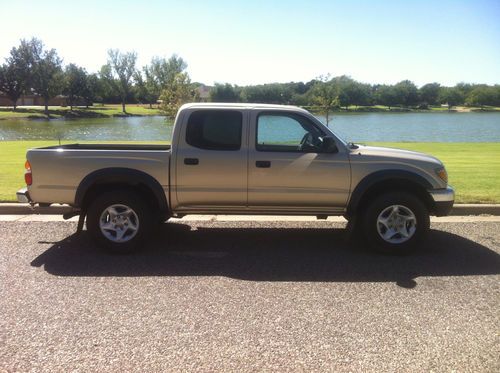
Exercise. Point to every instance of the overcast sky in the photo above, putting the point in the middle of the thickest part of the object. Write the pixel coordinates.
(251, 42)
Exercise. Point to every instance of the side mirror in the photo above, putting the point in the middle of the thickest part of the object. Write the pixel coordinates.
(329, 145)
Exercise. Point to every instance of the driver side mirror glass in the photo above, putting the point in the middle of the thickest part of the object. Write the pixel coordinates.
(329, 145)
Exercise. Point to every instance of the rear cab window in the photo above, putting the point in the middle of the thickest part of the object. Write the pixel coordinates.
(215, 129)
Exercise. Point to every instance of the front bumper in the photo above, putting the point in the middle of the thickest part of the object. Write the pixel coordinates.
(23, 196)
(443, 200)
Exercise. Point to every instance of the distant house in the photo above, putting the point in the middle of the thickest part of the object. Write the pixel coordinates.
(203, 92)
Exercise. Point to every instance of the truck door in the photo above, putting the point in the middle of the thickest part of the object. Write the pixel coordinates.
(287, 170)
(211, 159)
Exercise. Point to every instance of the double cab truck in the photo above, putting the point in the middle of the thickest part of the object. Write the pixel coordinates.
(241, 159)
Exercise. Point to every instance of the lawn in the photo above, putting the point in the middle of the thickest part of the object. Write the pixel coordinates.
(473, 168)
(97, 110)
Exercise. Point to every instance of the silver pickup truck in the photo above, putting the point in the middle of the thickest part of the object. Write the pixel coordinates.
(241, 159)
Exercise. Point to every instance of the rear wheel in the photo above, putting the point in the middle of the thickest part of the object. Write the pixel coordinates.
(119, 221)
(395, 223)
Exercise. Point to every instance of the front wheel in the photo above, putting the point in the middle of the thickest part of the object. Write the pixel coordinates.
(395, 223)
(118, 221)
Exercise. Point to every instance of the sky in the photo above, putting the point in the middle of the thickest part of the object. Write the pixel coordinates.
(255, 42)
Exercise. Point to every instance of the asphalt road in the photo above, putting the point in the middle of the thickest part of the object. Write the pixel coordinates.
(247, 296)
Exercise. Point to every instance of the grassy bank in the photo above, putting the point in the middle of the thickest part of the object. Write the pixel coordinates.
(96, 111)
(105, 111)
(473, 168)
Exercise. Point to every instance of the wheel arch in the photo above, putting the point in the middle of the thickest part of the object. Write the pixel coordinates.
(108, 179)
(384, 181)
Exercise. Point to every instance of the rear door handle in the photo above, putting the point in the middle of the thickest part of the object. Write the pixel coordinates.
(263, 164)
(191, 161)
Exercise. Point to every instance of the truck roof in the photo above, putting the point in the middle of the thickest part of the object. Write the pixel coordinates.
(226, 105)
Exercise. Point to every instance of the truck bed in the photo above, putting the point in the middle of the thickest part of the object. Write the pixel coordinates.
(58, 170)
(76, 146)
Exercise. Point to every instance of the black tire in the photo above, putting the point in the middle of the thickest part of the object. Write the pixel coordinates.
(373, 229)
(136, 225)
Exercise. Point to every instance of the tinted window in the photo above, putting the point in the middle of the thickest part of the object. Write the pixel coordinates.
(287, 132)
(214, 130)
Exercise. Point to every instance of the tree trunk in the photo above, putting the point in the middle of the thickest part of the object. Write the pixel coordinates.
(46, 106)
(150, 105)
(123, 106)
(15, 105)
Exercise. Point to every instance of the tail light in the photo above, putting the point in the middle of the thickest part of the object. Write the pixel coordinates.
(28, 178)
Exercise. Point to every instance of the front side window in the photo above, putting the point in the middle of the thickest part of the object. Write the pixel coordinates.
(287, 132)
(215, 129)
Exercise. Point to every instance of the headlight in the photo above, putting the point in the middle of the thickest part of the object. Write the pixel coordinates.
(442, 174)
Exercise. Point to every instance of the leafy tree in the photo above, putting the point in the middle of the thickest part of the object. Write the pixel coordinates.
(75, 80)
(90, 89)
(429, 93)
(267, 93)
(11, 82)
(386, 95)
(120, 72)
(464, 89)
(450, 96)
(47, 75)
(157, 76)
(176, 94)
(224, 93)
(324, 94)
(23, 58)
(482, 95)
(167, 71)
(108, 85)
(406, 93)
(143, 91)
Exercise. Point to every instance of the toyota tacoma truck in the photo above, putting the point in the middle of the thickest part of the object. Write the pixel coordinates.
(241, 159)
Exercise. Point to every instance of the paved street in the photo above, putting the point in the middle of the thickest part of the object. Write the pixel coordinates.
(210, 295)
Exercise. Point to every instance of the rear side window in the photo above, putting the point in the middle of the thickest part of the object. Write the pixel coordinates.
(215, 129)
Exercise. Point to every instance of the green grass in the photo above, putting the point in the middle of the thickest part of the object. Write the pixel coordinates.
(473, 168)
(77, 112)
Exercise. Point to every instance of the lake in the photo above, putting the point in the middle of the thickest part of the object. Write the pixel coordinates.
(422, 127)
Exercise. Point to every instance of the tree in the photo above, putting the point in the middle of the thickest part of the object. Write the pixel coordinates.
(482, 95)
(47, 72)
(325, 95)
(144, 92)
(22, 61)
(224, 93)
(108, 85)
(450, 96)
(177, 93)
(386, 95)
(406, 93)
(166, 71)
(429, 93)
(11, 82)
(120, 72)
(75, 80)
(90, 89)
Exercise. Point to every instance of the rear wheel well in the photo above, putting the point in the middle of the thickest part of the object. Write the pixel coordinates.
(140, 189)
(394, 185)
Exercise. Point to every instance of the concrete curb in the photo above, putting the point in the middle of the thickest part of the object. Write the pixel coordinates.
(26, 209)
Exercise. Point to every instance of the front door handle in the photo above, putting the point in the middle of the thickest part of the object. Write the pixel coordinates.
(191, 161)
(263, 164)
